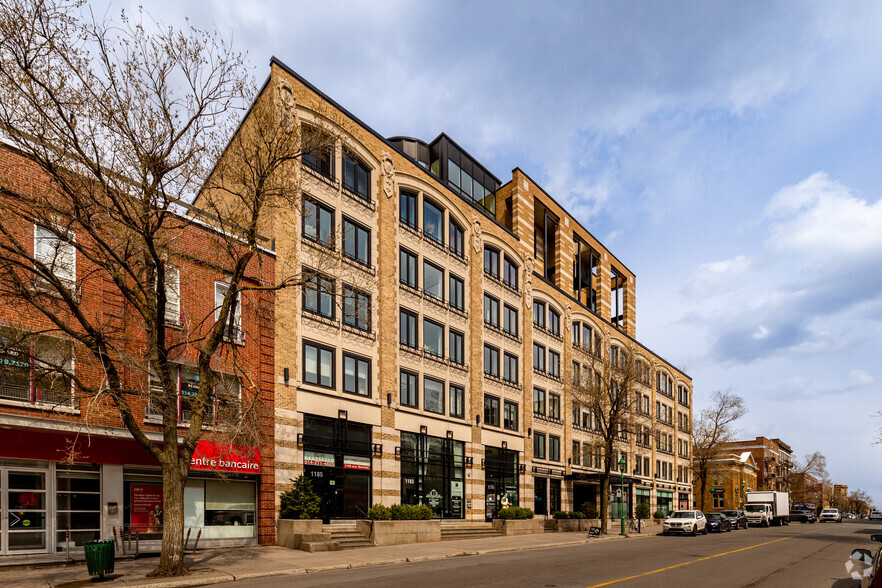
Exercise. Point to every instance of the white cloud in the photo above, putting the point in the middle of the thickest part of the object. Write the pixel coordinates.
(860, 378)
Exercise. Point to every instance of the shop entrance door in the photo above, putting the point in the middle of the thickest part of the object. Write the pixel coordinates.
(328, 484)
(23, 509)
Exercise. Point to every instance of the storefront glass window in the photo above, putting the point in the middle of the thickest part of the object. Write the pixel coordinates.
(78, 506)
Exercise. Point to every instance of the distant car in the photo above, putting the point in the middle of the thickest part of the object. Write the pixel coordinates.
(876, 515)
(830, 515)
(802, 516)
(688, 522)
(717, 522)
(738, 518)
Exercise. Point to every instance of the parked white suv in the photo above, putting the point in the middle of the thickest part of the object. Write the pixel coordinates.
(691, 522)
(830, 515)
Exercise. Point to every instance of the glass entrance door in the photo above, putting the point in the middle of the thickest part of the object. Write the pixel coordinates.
(24, 503)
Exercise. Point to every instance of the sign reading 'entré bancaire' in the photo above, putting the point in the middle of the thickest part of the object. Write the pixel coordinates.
(223, 457)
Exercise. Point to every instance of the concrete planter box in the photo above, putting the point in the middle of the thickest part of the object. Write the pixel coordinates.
(289, 532)
(519, 526)
(569, 525)
(400, 532)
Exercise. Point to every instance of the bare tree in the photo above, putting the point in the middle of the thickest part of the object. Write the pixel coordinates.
(711, 432)
(127, 119)
(813, 464)
(857, 501)
(606, 389)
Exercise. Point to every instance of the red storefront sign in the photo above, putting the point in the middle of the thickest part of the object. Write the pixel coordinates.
(224, 457)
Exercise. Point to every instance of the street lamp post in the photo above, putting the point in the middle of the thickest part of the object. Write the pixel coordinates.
(622, 490)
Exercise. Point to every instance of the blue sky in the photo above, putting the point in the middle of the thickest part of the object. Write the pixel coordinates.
(727, 152)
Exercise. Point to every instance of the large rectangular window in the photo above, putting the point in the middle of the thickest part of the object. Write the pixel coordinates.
(491, 310)
(510, 416)
(455, 350)
(318, 295)
(554, 406)
(356, 242)
(408, 328)
(457, 292)
(407, 268)
(433, 280)
(233, 327)
(510, 368)
(356, 375)
(35, 370)
(491, 410)
(553, 364)
(408, 209)
(457, 239)
(491, 261)
(457, 401)
(433, 221)
(356, 308)
(407, 394)
(57, 254)
(538, 357)
(553, 448)
(433, 338)
(318, 153)
(433, 395)
(509, 273)
(553, 322)
(356, 176)
(318, 365)
(538, 401)
(491, 361)
(538, 445)
(318, 223)
(510, 320)
(539, 314)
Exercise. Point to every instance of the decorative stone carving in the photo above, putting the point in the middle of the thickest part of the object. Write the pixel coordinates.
(287, 104)
(528, 282)
(476, 233)
(569, 322)
(388, 175)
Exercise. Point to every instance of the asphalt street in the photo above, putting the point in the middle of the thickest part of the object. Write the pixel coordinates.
(797, 555)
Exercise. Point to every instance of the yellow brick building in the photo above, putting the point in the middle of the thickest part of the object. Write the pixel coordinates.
(431, 358)
(732, 476)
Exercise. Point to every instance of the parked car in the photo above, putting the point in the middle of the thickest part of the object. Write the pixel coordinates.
(738, 518)
(688, 522)
(718, 522)
(830, 515)
(866, 565)
(802, 516)
(876, 515)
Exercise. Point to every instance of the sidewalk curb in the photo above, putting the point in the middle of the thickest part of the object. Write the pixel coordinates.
(218, 576)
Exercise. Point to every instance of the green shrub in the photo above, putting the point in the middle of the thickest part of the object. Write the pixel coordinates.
(561, 514)
(378, 512)
(642, 511)
(301, 501)
(589, 509)
(400, 512)
(658, 515)
(514, 512)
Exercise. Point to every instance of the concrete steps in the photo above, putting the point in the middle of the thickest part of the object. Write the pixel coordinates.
(346, 536)
(454, 531)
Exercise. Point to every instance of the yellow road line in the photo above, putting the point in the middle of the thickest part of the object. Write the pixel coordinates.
(686, 563)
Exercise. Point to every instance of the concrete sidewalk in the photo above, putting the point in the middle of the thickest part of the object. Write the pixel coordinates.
(228, 565)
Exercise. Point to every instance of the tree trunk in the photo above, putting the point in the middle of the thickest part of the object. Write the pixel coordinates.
(171, 559)
(604, 502)
(703, 487)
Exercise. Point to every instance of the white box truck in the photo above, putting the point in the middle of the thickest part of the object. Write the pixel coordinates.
(764, 508)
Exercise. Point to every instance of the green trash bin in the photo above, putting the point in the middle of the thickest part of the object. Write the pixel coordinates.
(100, 557)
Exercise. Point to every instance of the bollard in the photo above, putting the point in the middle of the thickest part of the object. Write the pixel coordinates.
(67, 542)
(187, 539)
(122, 539)
(130, 539)
(196, 545)
(137, 543)
(115, 539)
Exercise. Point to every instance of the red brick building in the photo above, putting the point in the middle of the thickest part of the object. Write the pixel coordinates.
(69, 468)
(773, 461)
